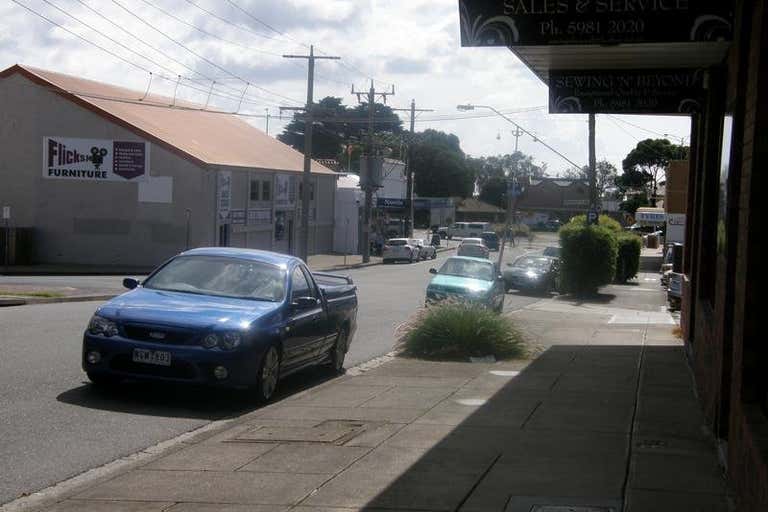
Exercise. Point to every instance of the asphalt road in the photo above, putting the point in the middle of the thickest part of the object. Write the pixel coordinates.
(54, 425)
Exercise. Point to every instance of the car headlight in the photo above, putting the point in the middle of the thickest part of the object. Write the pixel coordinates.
(210, 341)
(102, 326)
(532, 275)
(231, 340)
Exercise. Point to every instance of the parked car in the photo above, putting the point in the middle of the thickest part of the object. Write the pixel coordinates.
(491, 240)
(472, 241)
(229, 317)
(399, 249)
(532, 272)
(473, 250)
(426, 250)
(468, 279)
(468, 229)
(552, 251)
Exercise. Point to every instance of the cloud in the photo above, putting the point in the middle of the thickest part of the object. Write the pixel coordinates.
(411, 43)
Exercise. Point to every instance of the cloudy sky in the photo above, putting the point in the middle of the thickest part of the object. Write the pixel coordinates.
(413, 44)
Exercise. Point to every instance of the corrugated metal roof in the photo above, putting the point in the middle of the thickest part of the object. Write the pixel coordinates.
(205, 137)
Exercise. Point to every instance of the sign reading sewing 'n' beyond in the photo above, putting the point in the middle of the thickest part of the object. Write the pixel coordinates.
(95, 159)
(646, 91)
(550, 22)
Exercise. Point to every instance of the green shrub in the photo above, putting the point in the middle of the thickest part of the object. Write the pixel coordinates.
(628, 256)
(588, 255)
(603, 220)
(457, 331)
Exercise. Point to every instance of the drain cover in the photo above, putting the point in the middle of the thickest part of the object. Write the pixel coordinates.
(327, 432)
(570, 508)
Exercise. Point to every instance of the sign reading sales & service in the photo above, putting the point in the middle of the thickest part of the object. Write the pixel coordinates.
(95, 159)
(550, 22)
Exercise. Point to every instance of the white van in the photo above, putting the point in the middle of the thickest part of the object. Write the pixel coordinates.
(468, 229)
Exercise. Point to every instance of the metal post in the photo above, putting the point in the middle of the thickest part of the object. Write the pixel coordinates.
(511, 204)
(409, 176)
(368, 188)
(189, 215)
(7, 257)
(592, 165)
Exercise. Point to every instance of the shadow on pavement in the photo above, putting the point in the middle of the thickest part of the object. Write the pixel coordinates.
(179, 400)
(594, 427)
(598, 298)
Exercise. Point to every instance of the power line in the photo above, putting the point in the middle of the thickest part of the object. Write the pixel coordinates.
(177, 79)
(214, 15)
(665, 135)
(349, 67)
(199, 56)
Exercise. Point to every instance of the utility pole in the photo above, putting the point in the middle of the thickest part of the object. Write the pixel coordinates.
(592, 165)
(267, 111)
(308, 125)
(369, 187)
(408, 168)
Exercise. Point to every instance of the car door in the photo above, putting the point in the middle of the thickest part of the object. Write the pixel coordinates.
(304, 321)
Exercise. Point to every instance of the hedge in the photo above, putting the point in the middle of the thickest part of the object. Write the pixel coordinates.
(588, 255)
(628, 257)
(604, 221)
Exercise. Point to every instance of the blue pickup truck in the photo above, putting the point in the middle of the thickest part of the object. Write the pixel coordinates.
(228, 317)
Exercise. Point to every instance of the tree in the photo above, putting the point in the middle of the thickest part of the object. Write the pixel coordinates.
(647, 164)
(439, 166)
(492, 173)
(606, 175)
(340, 126)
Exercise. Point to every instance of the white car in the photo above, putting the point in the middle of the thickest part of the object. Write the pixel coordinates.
(472, 241)
(473, 250)
(426, 250)
(399, 249)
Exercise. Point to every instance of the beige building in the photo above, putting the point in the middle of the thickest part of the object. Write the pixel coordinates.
(105, 176)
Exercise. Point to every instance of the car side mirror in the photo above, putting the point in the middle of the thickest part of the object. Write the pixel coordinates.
(304, 302)
(130, 283)
(433, 271)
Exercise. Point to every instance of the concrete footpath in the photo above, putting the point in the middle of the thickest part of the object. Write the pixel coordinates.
(602, 418)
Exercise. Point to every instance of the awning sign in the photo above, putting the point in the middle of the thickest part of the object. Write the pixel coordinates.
(550, 22)
(95, 159)
(388, 203)
(648, 91)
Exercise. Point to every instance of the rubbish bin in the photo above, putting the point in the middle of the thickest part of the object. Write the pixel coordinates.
(653, 241)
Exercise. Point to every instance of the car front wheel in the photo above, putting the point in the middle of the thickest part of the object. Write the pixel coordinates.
(269, 374)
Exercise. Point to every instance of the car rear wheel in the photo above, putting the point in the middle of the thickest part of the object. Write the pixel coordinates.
(339, 351)
(269, 374)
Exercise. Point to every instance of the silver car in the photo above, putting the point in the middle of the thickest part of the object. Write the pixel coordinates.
(399, 249)
(426, 250)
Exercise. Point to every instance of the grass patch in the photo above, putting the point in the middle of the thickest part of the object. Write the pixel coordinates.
(458, 331)
(41, 294)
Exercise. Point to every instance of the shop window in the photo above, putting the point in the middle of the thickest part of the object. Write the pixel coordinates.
(266, 190)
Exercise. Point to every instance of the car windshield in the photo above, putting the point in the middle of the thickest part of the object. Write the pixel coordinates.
(397, 241)
(468, 268)
(472, 241)
(527, 261)
(222, 277)
(552, 251)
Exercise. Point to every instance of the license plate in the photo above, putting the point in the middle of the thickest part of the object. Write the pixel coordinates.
(158, 357)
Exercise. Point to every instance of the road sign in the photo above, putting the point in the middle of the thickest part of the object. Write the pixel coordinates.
(6, 212)
(592, 216)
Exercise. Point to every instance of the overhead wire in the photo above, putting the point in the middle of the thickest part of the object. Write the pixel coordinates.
(175, 79)
(202, 57)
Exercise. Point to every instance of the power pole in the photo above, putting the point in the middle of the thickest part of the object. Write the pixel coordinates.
(408, 168)
(592, 165)
(307, 176)
(267, 111)
(369, 187)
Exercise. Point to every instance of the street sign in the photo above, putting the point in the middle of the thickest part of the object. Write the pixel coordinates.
(592, 217)
(514, 23)
(6, 212)
(647, 91)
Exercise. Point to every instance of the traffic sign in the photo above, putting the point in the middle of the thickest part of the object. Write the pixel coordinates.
(592, 217)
